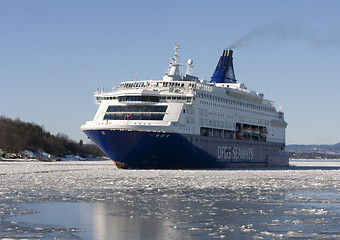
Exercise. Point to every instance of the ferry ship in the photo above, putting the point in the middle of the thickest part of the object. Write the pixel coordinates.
(182, 122)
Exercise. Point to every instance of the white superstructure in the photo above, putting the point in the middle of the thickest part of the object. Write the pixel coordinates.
(192, 104)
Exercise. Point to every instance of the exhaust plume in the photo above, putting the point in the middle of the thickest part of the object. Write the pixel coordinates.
(283, 31)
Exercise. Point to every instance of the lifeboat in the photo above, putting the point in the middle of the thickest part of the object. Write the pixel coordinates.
(263, 131)
(255, 131)
(247, 129)
(239, 135)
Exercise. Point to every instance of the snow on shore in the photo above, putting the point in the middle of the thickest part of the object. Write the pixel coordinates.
(29, 156)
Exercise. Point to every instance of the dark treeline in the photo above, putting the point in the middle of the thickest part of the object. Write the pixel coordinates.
(17, 136)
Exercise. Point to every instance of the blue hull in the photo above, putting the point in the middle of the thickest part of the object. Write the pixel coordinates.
(153, 150)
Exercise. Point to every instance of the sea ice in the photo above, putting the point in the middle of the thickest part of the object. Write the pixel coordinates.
(231, 203)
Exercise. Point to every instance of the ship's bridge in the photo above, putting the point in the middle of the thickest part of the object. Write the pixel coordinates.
(148, 91)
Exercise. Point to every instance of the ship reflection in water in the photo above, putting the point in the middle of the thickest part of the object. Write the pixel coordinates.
(99, 221)
(110, 222)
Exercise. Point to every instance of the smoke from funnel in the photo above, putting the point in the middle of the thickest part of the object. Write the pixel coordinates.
(283, 31)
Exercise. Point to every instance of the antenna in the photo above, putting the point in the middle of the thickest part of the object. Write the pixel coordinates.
(174, 71)
(177, 46)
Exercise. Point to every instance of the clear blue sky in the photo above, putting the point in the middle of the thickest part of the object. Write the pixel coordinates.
(55, 54)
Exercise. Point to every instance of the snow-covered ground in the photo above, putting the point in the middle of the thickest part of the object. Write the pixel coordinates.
(95, 200)
(29, 156)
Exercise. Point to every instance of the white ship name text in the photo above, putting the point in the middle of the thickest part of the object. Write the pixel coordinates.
(234, 153)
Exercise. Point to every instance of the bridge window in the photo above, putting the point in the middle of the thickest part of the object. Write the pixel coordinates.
(137, 108)
(135, 112)
(138, 99)
(134, 116)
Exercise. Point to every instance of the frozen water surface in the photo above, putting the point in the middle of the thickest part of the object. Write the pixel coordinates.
(94, 200)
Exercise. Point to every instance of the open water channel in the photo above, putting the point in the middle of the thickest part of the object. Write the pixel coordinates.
(94, 200)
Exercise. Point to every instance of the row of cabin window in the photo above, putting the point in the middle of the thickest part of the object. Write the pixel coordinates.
(105, 98)
(170, 84)
(189, 110)
(138, 99)
(190, 120)
(134, 116)
(173, 98)
(188, 99)
(137, 108)
(213, 132)
(145, 84)
(253, 121)
(216, 123)
(136, 84)
(143, 98)
(233, 102)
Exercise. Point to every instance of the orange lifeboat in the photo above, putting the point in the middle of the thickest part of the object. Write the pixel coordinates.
(239, 135)
(246, 129)
(263, 131)
(255, 131)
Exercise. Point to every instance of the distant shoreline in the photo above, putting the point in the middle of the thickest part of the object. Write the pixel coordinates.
(29, 156)
(29, 140)
(54, 160)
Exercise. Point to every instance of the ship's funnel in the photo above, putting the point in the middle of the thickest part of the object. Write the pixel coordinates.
(224, 72)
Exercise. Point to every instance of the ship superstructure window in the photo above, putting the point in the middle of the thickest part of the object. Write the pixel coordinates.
(135, 85)
(135, 112)
(137, 108)
(235, 102)
(173, 98)
(138, 99)
(134, 116)
(100, 99)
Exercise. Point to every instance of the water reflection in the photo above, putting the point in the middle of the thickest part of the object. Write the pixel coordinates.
(97, 221)
(113, 222)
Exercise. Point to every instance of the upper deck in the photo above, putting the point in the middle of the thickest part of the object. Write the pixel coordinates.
(148, 89)
(181, 90)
